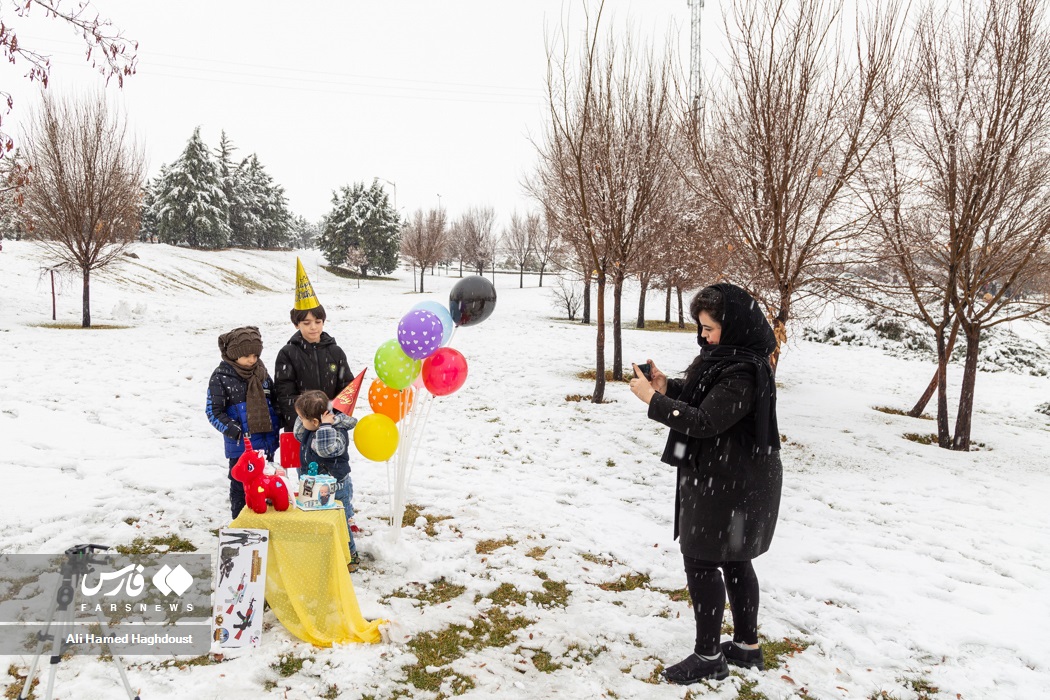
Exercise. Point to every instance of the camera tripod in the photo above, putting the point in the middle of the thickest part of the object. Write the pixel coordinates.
(77, 565)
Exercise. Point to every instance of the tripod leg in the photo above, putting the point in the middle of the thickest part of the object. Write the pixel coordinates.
(28, 687)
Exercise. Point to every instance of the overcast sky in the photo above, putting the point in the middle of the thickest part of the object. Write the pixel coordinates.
(437, 96)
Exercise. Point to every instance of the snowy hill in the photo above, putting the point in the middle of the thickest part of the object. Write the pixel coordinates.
(905, 571)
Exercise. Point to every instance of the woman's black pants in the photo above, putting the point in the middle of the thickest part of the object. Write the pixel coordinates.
(708, 591)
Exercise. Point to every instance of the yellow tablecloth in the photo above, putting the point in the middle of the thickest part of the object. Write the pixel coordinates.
(307, 584)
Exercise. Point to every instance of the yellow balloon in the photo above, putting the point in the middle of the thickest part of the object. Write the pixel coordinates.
(376, 437)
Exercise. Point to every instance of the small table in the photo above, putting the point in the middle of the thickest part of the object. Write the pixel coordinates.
(307, 584)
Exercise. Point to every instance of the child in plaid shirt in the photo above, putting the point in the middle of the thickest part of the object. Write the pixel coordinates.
(324, 438)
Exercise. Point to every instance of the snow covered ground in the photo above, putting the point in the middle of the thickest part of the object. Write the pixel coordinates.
(904, 567)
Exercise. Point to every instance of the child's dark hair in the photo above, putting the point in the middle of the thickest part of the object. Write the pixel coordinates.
(299, 315)
(312, 404)
(710, 300)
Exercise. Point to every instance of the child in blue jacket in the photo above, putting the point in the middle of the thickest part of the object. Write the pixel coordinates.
(239, 402)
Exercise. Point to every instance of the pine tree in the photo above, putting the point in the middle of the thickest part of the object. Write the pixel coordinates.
(266, 215)
(362, 218)
(233, 186)
(191, 206)
(148, 231)
(303, 233)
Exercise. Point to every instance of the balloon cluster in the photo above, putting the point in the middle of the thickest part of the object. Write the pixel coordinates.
(420, 358)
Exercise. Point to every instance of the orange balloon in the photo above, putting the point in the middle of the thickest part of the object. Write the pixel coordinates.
(391, 403)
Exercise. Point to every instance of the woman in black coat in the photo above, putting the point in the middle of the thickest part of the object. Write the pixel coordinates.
(725, 443)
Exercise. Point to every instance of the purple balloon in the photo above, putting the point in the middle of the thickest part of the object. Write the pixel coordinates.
(419, 333)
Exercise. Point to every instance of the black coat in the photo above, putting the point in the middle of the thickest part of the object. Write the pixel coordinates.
(303, 366)
(728, 496)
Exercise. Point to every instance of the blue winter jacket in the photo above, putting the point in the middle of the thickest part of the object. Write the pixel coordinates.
(228, 412)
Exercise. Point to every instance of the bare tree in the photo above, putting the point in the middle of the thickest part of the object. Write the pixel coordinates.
(785, 136)
(602, 160)
(108, 50)
(567, 296)
(519, 239)
(547, 243)
(476, 235)
(424, 239)
(84, 195)
(959, 193)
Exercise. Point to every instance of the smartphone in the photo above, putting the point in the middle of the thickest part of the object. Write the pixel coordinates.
(646, 370)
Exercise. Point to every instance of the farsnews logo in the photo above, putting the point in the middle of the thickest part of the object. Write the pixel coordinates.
(168, 580)
(130, 581)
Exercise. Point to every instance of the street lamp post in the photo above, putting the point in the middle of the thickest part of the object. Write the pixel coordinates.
(392, 184)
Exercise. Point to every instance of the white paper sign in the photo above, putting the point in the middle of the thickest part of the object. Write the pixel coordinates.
(240, 587)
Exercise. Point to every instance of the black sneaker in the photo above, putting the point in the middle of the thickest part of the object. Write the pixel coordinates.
(744, 658)
(694, 669)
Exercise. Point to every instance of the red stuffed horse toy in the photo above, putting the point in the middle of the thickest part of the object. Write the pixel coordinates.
(259, 487)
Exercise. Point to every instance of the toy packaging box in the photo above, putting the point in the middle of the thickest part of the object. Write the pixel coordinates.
(317, 493)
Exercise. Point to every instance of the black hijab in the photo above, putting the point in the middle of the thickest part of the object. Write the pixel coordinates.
(747, 338)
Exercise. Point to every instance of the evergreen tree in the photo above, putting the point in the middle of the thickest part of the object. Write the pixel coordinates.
(191, 206)
(234, 187)
(362, 218)
(148, 218)
(266, 215)
(303, 233)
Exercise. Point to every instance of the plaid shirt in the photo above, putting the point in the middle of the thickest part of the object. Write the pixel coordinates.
(330, 440)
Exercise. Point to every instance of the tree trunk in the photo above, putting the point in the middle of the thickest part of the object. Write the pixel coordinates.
(681, 309)
(421, 271)
(943, 438)
(617, 363)
(964, 418)
(920, 405)
(780, 329)
(599, 363)
(521, 277)
(86, 320)
(585, 319)
(461, 268)
(667, 306)
(644, 280)
(541, 274)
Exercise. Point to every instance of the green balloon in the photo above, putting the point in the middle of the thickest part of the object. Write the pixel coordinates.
(394, 367)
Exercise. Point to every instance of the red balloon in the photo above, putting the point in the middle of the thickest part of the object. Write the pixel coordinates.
(444, 372)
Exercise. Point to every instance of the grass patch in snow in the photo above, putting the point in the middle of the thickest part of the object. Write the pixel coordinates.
(79, 327)
(774, 651)
(628, 582)
(156, 545)
(579, 397)
(678, 595)
(331, 692)
(747, 690)
(288, 665)
(537, 552)
(413, 513)
(597, 559)
(545, 663)
(436, 651)
(17, 681)
(900, 412)
(434, 593)
(490, 546)
(922, 438)
(667, 326)
(922, 687)
(593, 374)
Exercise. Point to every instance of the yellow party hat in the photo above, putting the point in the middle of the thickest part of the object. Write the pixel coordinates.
(304, 291)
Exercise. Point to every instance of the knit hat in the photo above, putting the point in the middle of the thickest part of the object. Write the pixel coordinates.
(241, 342)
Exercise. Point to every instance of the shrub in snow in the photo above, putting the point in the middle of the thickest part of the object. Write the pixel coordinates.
(1001, 350)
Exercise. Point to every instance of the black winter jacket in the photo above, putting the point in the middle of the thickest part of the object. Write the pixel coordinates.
(227, 411)
(303, 366)
(728, 496)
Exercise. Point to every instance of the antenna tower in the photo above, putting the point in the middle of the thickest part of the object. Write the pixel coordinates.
(694, 55)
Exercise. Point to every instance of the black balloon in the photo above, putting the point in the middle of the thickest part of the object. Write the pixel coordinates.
(471, 301)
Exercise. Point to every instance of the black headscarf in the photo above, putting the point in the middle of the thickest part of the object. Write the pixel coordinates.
(748, 338)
